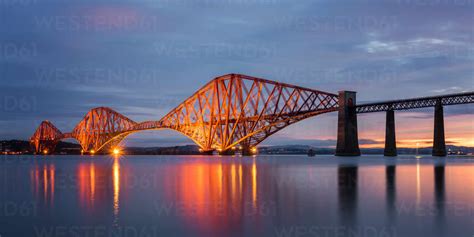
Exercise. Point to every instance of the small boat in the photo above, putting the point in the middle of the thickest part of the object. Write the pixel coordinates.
(311, 153)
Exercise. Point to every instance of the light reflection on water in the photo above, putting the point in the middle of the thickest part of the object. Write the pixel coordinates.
(116, 180)
(263, 196)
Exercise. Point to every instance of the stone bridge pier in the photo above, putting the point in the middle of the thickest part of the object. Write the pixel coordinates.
(439, 143)
(347, 137)
(390, 139)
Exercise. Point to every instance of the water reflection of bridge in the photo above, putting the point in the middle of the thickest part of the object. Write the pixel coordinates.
(214, 196)
(218, 197)
(348, 179)
(93, 185)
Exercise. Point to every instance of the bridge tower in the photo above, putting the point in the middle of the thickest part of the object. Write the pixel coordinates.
(439, 143)
(347, 137)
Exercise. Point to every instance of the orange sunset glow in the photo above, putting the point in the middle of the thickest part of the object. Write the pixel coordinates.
(418, 132)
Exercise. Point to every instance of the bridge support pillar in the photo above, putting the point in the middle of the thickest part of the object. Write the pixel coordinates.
(45, 147)
(247, 151)
(347, 138)
(228, 152)
(207, 153)
(390, 138)
(439, 143)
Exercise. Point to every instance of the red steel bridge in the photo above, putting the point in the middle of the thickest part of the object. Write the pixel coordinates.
(237, 111)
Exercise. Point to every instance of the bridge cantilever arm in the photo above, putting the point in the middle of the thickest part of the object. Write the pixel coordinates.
(229, 109)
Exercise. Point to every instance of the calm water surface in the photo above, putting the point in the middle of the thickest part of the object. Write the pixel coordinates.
(232, 196)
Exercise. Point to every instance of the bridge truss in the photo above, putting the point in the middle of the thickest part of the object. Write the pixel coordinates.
(231, 110)
(452, 99)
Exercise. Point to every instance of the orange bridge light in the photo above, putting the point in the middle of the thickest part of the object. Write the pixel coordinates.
(116, 151)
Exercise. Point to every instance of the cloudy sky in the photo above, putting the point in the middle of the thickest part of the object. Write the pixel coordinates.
(59, 58)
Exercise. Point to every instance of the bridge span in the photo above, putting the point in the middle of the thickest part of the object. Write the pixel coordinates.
(231, 111)
(347, 140)
(236, 111)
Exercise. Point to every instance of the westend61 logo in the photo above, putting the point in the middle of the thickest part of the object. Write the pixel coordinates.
(215, 209)
(97, 231)
(329, 231)
(433, 209)
(215, 3)
(191, 50)
(98, 23)
(9, 50)
(13, 3)
(9, 103)
(436, 2)
(47, 77)
(337, 23)
(356, 76)
(14, 209)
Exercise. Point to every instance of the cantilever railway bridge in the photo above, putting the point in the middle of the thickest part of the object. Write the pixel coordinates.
(234, 110)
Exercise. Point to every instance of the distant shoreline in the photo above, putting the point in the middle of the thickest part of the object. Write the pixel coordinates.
(21, 147)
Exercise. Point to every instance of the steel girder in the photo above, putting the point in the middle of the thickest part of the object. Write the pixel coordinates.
(229, 110)
(99, 127)
(46, 137)
(238, 109)
(452, 99)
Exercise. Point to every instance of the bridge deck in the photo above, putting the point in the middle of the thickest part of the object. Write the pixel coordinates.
(414, 103)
